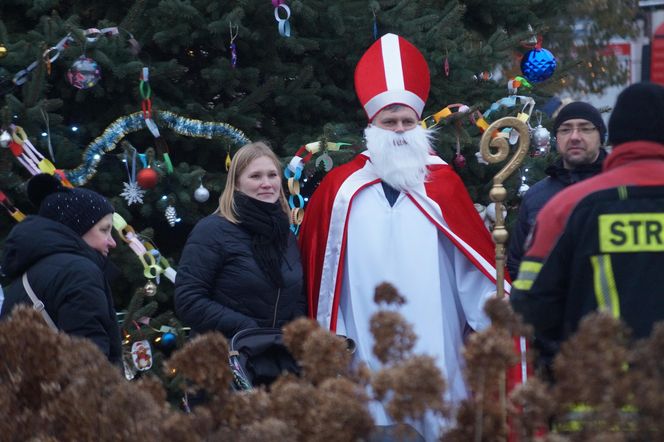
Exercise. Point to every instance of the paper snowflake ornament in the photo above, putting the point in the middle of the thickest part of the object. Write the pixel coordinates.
(132, 193)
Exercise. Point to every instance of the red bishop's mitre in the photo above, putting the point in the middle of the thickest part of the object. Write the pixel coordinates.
(392, 71)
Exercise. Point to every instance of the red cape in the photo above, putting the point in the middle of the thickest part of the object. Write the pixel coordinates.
(443, 186)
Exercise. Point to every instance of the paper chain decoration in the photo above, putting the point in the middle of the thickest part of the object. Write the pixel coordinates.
(154, 263)
(53, 53)
(293, 174)
(112, 135)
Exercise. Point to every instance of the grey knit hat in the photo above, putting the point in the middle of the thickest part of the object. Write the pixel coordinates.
(79, 209)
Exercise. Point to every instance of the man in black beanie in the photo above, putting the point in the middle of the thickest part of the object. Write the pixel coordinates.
(61, 253)
(580, 133)
(599, 244)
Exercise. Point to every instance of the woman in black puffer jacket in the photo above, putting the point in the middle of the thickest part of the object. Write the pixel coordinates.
(240, 267)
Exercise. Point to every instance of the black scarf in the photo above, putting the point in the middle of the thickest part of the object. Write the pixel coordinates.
(268, 225)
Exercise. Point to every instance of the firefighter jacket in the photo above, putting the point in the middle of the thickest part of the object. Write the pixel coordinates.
(598, 245)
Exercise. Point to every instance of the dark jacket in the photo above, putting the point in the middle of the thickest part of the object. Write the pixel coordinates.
(537, 196)
(219, 285)
(68, 276)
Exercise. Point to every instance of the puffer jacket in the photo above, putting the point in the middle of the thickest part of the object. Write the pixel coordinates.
(537, 196)
(68, 276)
(219, 285)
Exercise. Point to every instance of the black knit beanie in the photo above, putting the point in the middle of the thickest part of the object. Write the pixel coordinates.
(79, 209)
(637, 114)
(579, 109)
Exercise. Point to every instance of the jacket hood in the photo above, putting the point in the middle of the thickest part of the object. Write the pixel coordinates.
(36, 238)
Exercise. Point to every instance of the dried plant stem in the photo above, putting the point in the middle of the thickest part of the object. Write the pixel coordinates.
(502, 389)
(479, 411)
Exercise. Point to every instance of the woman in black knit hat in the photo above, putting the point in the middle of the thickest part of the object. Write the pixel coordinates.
(63, 252)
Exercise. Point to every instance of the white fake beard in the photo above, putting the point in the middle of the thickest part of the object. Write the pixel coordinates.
(400, 159)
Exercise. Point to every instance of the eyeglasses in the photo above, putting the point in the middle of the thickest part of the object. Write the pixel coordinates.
(568, 130)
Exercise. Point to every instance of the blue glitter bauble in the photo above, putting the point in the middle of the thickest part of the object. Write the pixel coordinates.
(538, 65)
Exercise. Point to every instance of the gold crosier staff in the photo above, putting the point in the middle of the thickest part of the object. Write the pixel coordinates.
(499, 142)
(500, 145)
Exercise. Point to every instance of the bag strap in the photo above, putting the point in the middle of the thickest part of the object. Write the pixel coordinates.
(36, 303)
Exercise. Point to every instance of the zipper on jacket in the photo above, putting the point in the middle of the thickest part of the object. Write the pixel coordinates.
(276, 304)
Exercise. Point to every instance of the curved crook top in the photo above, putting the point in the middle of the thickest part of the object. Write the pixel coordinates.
(494, 138)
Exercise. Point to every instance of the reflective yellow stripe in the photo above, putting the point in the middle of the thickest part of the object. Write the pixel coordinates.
(622, 192)
(530, 266)
(528, 271)
(521, 284)
(605, 285)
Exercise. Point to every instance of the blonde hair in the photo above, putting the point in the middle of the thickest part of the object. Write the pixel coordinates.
(241, 160)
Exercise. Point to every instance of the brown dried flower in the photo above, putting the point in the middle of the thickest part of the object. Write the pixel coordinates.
(503, 316)
(394, 338)
(646, 383)
(292, 402)
(531, 408)
(340, 412)
(410, 388)
(204, 360)
(388, 294)
(488, 355)
(296, 333)
(154, 387)
(324, 356)
(268, 429)
(244, 408)
(81, 396)
(590, 370)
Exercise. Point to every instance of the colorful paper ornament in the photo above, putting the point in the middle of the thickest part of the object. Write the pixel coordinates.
(84, 73)
(201, 194)
(147, 178)
(232, 46)
(227, 162)
(483, 76)
(538, 65)
(480, 158)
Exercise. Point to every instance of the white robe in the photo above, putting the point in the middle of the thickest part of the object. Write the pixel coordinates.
(444, 291)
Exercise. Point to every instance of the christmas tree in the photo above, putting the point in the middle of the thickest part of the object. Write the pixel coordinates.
(145, 101)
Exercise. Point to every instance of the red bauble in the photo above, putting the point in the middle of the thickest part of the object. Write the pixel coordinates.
(147, 178)
(459, 161)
